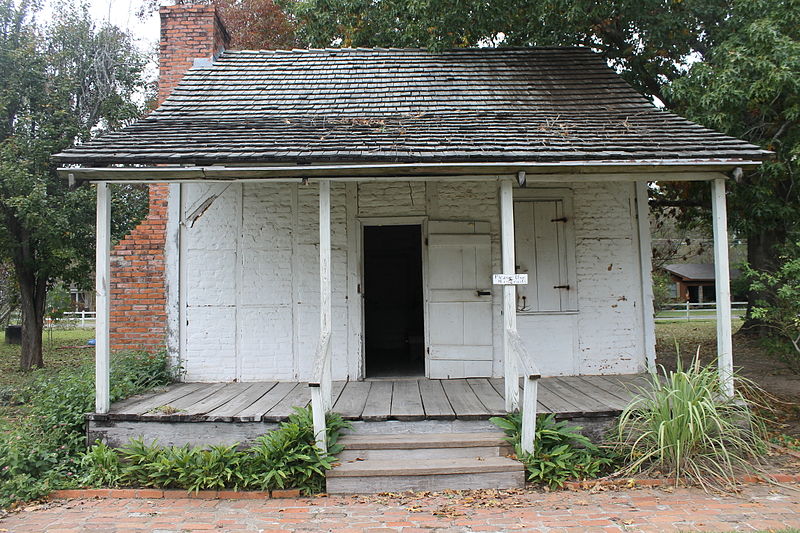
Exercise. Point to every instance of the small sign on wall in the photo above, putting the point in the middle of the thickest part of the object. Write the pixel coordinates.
(510, 279)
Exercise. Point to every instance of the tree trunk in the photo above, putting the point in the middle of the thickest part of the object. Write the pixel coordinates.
(762, 255)
(33, 293)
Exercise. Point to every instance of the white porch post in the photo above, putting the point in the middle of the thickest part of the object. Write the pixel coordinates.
(321, 387)
(646, 270)
(102, 303)
(509, 294)
(722, 275)
(325, 291)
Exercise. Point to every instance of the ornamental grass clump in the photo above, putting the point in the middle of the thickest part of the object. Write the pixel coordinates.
(685, 427)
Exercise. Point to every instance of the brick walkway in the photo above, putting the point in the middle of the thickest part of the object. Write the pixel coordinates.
(757, 507)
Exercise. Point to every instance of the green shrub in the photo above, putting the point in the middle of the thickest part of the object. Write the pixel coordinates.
(778, 305)
(561, 453)
(285, 458)
(47, 444)
(685, 427)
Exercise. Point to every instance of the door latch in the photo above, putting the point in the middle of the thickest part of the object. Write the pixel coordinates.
(561, 287)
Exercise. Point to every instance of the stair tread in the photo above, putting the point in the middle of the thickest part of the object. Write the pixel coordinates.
(422, 440)
(422, 467)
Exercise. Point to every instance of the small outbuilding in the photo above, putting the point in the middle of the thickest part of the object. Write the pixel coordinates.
(695, 282)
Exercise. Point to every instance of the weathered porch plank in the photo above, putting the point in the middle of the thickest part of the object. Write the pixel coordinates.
(464, 401)
(612, 387)
(379, 402)
(220, 397)
(434, 400)
(499, 386)
(556, 403)
(406, 401)
(595, 388)
(576, 395)
(352, 400)
(488, 396)
(174, 410)
(228, 411)
(299, 396)
(255, 411)
(152, 401)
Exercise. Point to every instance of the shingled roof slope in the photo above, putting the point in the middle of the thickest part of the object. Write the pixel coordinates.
(407, 105)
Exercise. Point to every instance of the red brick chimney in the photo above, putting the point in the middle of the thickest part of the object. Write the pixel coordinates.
(138, 282)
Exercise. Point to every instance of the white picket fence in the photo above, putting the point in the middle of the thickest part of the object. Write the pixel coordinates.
(697, 311)
(78, 319)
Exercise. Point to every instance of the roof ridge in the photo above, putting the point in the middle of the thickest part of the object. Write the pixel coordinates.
(470, 49)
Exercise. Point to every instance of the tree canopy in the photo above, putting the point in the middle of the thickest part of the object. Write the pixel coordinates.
(62, 83)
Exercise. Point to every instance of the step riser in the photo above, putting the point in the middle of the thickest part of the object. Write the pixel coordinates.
(424, 453)
(434, 482)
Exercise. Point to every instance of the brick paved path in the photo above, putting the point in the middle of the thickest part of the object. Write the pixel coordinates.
(757, 507)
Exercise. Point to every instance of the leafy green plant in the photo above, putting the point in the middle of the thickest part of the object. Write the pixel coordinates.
(289, 457)
(47, 445)
(685, 427)
(285, 458)
(101, 466)
(561, 452)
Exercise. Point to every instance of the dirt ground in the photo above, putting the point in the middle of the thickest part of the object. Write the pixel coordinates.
(750, 361)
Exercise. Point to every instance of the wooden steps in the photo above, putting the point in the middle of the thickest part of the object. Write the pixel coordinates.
(431, 462)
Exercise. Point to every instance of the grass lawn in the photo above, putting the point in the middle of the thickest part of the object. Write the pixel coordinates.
(60, 349)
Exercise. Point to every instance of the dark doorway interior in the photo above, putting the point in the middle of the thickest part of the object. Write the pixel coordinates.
(393, 313)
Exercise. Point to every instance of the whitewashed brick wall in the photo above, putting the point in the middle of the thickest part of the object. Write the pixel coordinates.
(251, 287)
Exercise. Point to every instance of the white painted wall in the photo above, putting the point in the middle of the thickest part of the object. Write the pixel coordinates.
(249, 280)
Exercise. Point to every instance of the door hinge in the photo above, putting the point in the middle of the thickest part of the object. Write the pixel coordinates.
(561, 287)
(562, 219)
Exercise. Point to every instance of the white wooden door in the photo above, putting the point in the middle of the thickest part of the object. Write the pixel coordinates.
(459, 300)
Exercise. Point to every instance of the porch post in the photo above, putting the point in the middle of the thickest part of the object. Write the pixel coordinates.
(325, 291)
(723, 287)
(646, 270)
(509, 294)
(102, 289)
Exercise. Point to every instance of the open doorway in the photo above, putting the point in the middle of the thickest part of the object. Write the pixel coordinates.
(393, 304)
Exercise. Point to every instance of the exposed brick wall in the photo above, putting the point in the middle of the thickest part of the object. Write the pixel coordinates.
(138, 288)
(138, 282)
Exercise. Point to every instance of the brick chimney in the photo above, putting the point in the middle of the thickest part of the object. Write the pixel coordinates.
(138, 282)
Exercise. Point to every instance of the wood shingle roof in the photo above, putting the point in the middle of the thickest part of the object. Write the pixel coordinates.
(407, 105)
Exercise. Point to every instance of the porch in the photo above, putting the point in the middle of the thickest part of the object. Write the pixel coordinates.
(225, 413)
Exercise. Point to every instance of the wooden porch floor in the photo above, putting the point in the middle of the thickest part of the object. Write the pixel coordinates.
(378, 400)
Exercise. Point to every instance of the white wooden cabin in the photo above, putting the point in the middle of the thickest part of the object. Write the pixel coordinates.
(338, 215)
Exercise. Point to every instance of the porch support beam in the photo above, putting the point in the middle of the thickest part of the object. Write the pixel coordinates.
(509, 294)
(573, 171)
(325, 294)
(102, 302)
(723, 286)
(646, 270)
(321, 387)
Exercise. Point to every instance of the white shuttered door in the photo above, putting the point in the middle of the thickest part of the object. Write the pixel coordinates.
(460, 300)
(541, 253)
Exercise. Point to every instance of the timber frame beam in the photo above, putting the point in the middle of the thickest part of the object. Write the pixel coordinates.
(534, 172)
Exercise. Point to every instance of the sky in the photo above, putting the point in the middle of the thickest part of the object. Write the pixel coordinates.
(122, 13)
